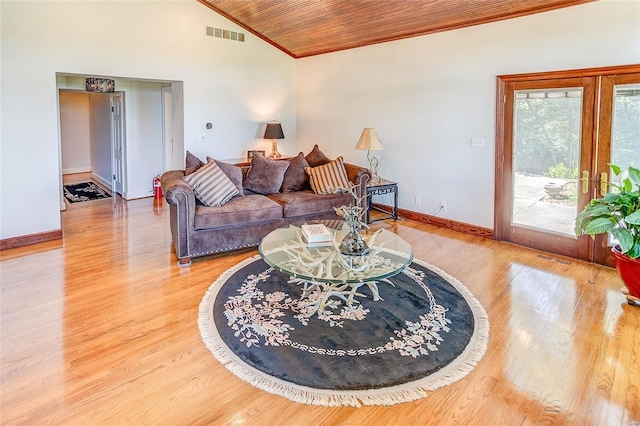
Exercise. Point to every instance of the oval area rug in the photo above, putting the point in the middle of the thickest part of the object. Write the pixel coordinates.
(428, 332)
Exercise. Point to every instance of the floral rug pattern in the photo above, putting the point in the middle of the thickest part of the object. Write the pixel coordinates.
(257, 317)
(85, 191)
(425, 331)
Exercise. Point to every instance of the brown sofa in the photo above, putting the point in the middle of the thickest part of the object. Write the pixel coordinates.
(199, 230)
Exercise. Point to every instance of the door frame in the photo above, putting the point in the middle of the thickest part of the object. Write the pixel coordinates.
(107, 183)
(167, 128)
(585, 252)
(118, 131)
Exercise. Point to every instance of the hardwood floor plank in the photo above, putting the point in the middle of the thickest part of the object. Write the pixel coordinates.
(101, 328)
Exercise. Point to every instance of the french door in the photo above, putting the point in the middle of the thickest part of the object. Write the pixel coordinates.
(556, 135)
(618, 139)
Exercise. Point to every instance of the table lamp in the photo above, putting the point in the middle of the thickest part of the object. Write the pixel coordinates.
(274, 132)
(369, 140)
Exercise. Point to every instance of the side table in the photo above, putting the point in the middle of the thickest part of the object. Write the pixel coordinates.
(378, 188)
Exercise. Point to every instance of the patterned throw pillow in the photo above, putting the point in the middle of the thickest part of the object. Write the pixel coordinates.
(210, 185)
(327, 178)
(233, 172)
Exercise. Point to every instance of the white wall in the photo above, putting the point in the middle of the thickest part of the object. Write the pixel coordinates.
(143, 128)
(177, 113)
(427, 96)
(75, 132)
(236, 86)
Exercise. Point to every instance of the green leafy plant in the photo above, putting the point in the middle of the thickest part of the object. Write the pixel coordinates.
(617, 213)
(562, 171)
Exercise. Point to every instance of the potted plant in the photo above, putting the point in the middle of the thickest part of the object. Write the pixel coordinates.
(617, 213)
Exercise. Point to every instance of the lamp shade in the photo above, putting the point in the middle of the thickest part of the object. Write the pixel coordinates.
(369, 141)
(274, 131)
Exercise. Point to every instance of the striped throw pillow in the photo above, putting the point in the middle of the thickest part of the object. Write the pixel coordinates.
(327, 178)
(211, 185)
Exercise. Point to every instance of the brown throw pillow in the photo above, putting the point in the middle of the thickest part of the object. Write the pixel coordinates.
(316, 157)
(233, 172)
(328, 178)
(266, 175)
(295, 178)
(192, 164)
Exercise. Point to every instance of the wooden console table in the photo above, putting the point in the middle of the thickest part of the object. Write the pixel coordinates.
(378, 188)
(246, 162)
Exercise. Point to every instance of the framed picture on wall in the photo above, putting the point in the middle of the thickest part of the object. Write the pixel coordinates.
(251, 154)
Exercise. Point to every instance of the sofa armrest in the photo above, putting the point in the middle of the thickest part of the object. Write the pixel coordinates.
(360, 177)
(180, 197)
(176, 191)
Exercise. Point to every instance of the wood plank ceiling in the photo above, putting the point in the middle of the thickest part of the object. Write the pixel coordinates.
(303, 28)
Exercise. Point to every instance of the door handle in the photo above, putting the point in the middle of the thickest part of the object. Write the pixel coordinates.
(603, 183)
(585, 181)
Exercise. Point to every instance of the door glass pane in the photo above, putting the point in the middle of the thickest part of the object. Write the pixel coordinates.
(625, 131)
(625, 128)
(546, 159)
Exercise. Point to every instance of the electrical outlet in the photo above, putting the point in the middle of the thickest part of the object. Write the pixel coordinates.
(443, 205)
(418, 201)
(477, 142)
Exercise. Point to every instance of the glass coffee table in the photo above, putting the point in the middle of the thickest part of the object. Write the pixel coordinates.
(329, 279)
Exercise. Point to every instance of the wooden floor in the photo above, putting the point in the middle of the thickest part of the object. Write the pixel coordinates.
(100, 328)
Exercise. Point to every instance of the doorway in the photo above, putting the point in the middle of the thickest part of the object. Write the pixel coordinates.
(154, 113)
(556, 135)
(92, 138)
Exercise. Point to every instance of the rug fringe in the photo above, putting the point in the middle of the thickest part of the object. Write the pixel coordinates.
(407, 392)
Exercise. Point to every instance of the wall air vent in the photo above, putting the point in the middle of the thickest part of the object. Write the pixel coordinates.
(220, 33)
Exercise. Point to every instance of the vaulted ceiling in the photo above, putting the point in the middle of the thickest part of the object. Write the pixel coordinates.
(303, 28)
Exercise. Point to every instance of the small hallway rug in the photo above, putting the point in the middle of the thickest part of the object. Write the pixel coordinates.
(85, 191)
(428, 332)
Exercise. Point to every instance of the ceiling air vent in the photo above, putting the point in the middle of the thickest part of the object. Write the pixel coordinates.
(220, 33)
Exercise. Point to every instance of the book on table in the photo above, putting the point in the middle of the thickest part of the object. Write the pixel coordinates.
(316, 234)
(321, 244)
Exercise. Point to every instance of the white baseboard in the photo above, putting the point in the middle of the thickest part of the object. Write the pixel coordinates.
(74, 171)
(137, 197)
(102, 181)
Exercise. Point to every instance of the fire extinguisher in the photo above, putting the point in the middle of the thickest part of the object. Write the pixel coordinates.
(157, 190)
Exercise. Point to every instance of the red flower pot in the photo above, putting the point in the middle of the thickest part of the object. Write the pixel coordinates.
(629, 271)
